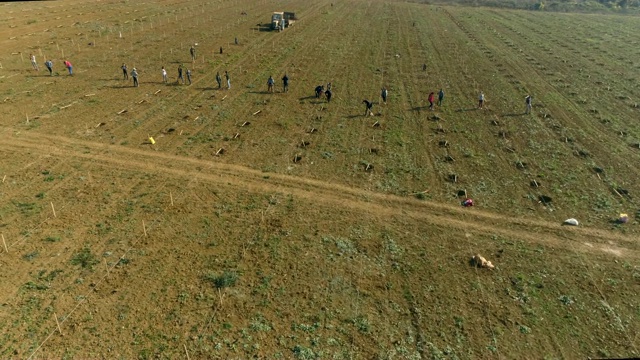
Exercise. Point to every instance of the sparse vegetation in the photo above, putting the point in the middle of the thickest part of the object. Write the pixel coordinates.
(224, 280)
(320, 233)
(85, 258)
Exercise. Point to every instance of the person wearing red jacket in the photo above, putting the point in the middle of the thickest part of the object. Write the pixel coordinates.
(69, 67)
(431, 100)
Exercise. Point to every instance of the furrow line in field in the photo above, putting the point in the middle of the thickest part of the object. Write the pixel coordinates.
(132, 102)
(231, 97)
(241, 178)
(412, 99)
(605, 139)
(297, 37)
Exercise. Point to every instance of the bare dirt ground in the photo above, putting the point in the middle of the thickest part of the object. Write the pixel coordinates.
(263, 225)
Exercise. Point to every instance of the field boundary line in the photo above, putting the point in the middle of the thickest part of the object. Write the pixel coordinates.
(240, 177)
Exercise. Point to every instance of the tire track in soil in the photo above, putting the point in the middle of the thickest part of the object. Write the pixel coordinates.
(386, 206)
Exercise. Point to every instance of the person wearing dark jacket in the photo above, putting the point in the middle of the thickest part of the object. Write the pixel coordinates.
(219, 80)
(180, 77)
(369, 105)
(49, 65)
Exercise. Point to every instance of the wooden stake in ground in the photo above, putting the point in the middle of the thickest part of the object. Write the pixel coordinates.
(107, 266)
(171, 197)
(57, 323)
(4, 178)
(54, 210)
(185, 350)
(5, 244)
(144, 228)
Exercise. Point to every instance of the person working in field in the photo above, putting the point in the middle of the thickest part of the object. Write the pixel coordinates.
(481, 100)
(319, 91)
(440, 97)
(384, 94)
(69, 67)
(219, 79)
(164, 75)
(270, 83)
(49, 65)
(34, 63)
(180, 77)
(192, 51)
(527, 102)
(226, 74)
(367, 110)
(285, 83)
(134, 75)
(124, 71)
(328, 94)
(431, 100)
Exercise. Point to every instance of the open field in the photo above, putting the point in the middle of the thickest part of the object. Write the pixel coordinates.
(346, 242)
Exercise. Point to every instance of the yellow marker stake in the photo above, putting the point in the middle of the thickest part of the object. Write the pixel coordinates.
(152, 141)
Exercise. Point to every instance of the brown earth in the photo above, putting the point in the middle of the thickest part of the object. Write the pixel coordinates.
(358, 249)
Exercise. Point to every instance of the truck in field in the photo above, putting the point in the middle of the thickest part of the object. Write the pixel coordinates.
(282, 19)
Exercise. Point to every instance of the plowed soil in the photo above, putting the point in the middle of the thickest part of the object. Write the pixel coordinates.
(186, 221)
